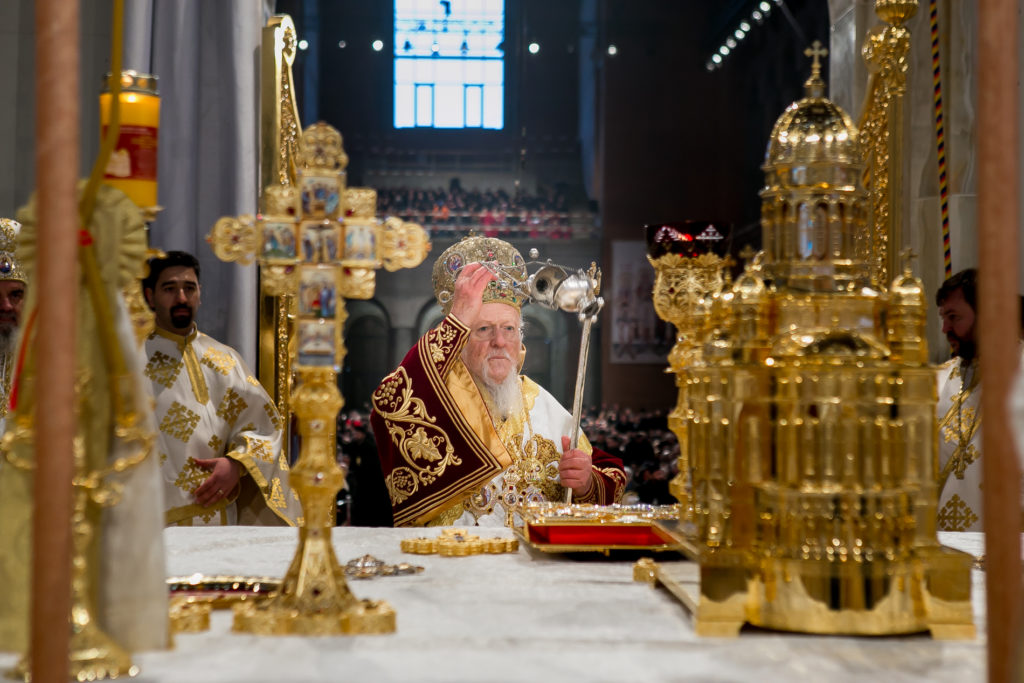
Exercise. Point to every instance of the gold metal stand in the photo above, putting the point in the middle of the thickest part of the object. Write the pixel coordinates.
(314, 598)
(93, 654)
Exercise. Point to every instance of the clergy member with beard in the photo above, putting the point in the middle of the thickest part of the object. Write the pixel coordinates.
(959, 407)
(220, 433)
(463, 438)
(12, 296)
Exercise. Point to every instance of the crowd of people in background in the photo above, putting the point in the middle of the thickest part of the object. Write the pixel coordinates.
(492, 212)
(649, 452)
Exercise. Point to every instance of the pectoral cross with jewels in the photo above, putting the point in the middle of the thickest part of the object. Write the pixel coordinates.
(319, 243)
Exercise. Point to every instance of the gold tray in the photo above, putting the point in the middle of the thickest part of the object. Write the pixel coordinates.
(221, 592)
(560, 528)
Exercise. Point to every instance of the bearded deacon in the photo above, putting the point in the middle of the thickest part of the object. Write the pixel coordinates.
(220, 433)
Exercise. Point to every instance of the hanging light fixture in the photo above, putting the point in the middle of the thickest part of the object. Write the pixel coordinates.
(761, 10)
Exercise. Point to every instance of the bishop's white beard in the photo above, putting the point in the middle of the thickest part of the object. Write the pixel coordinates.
(506, 395)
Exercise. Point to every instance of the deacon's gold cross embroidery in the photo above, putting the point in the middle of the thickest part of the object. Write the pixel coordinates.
(179, 422)
(231, 406)
(218, 361)
(163, 369)
(956, 515)
(276, 498)
(190, 477)
(959, 426)
(272, 413)
(259, 449)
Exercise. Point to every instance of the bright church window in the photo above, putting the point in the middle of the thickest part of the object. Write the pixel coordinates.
(449, 64)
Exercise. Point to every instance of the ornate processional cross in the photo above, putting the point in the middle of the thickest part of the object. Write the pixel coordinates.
(319, 243)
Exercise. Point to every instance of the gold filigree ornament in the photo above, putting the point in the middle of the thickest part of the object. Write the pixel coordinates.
(403, 245)
(885, 53)
(282, 200)
(235, 239)
(279, 280)
(361, 202)
(458, 543)
(320, 148)
(357, 283)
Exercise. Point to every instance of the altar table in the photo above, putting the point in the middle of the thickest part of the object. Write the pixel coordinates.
(526, 616)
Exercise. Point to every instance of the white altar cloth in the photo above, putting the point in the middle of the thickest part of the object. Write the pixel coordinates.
(519, 617)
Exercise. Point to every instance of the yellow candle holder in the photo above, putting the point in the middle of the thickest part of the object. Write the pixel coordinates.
(132, 167)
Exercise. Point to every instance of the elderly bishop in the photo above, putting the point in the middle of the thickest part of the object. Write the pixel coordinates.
(464, 438)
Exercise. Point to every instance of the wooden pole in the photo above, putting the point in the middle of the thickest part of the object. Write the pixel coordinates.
(998, 322)
(56, 286)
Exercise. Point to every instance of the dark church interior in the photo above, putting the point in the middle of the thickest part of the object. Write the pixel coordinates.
(615, 117)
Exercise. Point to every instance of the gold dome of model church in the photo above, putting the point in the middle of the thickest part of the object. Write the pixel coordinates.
(813, 206)
(812, 131)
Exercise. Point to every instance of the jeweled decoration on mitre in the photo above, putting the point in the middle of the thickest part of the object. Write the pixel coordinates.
(501, 257)
(10, 266)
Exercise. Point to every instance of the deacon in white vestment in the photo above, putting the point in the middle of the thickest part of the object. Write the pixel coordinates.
(959, 408)
(219, 432)
(960, 503)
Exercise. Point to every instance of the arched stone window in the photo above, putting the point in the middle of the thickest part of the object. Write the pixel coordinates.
(367, 338)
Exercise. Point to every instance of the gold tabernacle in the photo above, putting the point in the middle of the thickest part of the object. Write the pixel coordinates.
(806, 413)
